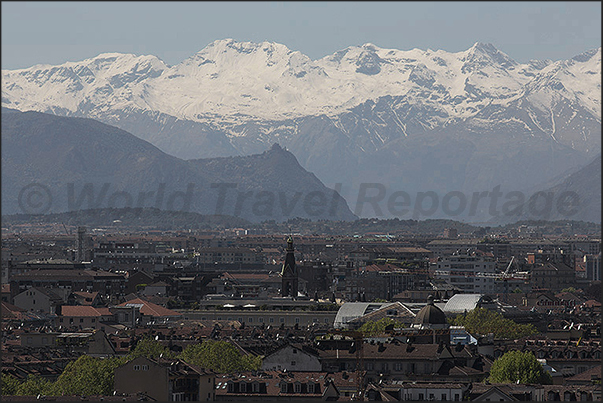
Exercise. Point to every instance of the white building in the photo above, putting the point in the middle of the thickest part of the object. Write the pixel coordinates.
(593, 267)
(291, 358)
(468, 272)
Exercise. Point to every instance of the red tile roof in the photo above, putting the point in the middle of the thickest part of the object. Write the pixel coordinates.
(151, 309)
(384, 267)
(10, 311)
(84, 310)
(586, 375)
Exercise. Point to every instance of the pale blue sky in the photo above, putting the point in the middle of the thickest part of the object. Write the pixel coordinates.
(56, 32)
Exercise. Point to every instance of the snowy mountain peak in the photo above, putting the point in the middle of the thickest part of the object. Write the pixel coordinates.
(268, 81)
(484, 47)
(588, 55)
(371, 47)
(484, 53)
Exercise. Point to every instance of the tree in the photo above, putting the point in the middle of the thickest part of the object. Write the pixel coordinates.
(34, 385)
(219, 356)
(87, 376)
(10, 385)
(519, 366)
(378, 327)
(484, 321)
(150, 348)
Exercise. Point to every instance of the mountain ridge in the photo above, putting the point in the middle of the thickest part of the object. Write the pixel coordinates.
(412, 120)
(53, 164)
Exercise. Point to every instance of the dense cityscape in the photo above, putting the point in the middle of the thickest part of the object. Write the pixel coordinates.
(231, 314)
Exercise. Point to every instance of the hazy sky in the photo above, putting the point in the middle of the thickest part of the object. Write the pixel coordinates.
(56, 32)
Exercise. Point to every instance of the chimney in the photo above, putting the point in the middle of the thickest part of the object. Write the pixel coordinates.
(440, 347)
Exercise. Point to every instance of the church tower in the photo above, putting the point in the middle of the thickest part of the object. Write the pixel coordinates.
(289, 286)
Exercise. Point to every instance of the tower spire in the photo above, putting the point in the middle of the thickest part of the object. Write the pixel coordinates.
(289, 286)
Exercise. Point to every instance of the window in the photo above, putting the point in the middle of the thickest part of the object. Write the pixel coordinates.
(271, 320)
(298, 388)
(294, 351)
(145, 367)
(421, 397)
(81, 320)
(310, 387)
(444, 396)
(249, 320)
(261, 320)
(282, 320)
(136, 367)
(431, 396)
(283, 387)
(243, 387)
(456, 397)
(255, 387)
(296, 320)
(292, 363)
(397, 366)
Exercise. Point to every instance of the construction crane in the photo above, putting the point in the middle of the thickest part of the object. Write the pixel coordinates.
(506, 272)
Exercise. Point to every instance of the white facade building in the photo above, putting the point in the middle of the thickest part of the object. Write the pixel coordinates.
(468, 272)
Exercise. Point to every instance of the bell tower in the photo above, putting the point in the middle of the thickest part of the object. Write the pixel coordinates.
(289, 285)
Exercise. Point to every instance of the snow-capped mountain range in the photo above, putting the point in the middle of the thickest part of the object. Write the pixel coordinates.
(412, 120)
(236, 81)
